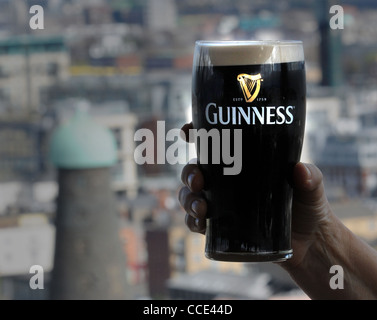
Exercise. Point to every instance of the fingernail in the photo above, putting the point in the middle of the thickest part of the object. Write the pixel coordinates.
(190, 179)
(195, 206)
(308, 172)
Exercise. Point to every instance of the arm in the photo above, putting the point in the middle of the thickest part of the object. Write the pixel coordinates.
(336, 245)
(320, 240)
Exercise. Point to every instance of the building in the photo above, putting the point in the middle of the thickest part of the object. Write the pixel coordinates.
(175, 251)
(25, 240)
(187, 254)
(161, 15)
(323, 110)
(208, 285)
(21, 148)
(135, 250)
(350, 161)
(30, 65)
(125, 171)
(157, 241)
(341, 142)
(340, 139)
(360, 217)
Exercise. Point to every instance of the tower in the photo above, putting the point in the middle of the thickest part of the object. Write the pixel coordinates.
(89, 263)
(330, 47)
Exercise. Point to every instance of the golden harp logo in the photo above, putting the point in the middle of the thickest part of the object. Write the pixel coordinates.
(250, 85)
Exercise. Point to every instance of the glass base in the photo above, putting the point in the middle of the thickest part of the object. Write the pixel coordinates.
(277, 256)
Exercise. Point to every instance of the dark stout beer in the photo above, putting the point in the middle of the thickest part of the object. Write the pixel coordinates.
(258, 87)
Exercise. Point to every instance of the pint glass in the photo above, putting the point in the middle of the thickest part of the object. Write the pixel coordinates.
(248, 107)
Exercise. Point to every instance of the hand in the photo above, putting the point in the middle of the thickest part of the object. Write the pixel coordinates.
(310, 208)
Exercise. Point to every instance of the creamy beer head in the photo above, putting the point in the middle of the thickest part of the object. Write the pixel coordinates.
(228, 53)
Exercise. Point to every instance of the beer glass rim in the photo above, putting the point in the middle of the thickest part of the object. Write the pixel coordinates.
(248, 42)
(247, 52)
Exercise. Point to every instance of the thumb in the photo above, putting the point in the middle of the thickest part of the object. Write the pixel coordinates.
(310, 203)
(308, 183)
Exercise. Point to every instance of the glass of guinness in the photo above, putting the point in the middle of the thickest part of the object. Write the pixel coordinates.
(248, 106)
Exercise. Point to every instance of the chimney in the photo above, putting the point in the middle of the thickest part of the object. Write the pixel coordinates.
(89, 261)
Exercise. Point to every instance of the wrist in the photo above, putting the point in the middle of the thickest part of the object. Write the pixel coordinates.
(327, 246)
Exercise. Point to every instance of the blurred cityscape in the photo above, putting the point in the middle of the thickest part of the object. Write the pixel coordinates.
(128, 63)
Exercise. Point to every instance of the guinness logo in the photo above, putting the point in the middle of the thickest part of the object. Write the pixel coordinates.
(250, 85)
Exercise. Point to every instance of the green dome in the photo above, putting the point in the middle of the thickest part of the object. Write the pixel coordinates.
(82, 144)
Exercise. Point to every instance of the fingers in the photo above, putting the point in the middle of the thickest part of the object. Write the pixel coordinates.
(195, 225)
(190, 195)
(192, 177)
(185, 132)
(191, 198)
(195, 207)
(193, 203)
